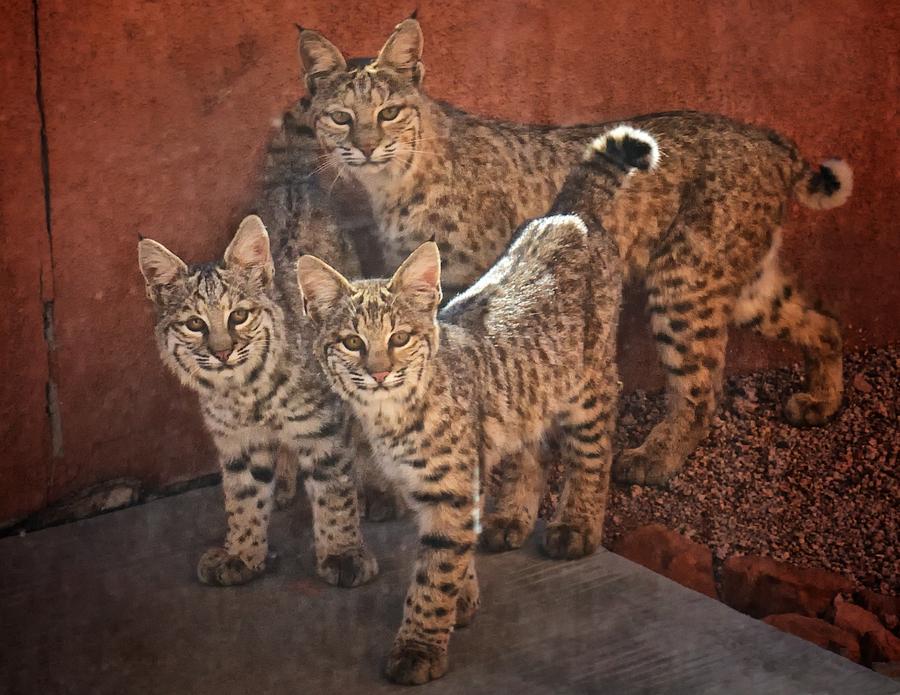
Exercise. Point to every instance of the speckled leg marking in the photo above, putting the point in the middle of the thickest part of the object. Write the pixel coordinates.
(577, 525)
(518, 501)
(341, 557)
(690, 308)
(774, 307)
(444, 580)
(248, 483)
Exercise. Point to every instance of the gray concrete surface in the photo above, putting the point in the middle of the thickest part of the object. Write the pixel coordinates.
(110, 605)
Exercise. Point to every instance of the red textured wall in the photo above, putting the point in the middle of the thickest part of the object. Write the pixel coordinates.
(157, 115)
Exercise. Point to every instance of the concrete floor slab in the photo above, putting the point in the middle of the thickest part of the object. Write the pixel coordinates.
(110, 605)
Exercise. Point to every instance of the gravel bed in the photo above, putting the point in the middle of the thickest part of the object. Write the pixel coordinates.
(821, 497)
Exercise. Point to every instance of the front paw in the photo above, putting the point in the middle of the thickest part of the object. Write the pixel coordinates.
(499, 534)
(639, 467)
(804, 410)
(569, 542)
(219, 568)
(414, 663)
(467, 605)
(350, 568)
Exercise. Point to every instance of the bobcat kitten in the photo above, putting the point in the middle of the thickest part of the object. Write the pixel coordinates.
(444, 396)
(702, 231)
(225, 331)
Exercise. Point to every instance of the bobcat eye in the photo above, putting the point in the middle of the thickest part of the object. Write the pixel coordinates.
(389, 113)
(238, 316)
(341, 117)
(398, 339)
(353, 343)
(196, 324)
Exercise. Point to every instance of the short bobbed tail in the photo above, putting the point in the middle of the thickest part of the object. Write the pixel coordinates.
(625, 147)
(827, 187)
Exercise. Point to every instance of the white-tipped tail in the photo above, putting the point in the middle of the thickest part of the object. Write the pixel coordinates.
(626, 146)
(828, 187)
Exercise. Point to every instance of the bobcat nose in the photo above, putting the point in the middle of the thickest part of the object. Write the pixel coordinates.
(379, 376)
(367, 150)
(223, 355)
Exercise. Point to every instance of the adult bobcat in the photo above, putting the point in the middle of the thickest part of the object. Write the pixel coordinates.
(702, 230)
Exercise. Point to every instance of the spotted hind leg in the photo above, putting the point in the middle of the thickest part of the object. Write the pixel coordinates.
(773, 306)
(689, 318)
(577, 526)
(517, 502)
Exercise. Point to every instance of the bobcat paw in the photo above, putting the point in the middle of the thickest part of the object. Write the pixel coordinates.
(218, 568)
(350, 568)
(803, 410)
(381, 505)
(499, 534)
(467, 605)
(638, 467)
(414, 663)
(568, 542)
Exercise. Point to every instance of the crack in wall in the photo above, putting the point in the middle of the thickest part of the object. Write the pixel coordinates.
(47, 275)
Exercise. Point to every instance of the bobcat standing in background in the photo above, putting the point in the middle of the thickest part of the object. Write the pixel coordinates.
(225, 330)
(443, 397)
(702, 231)
(305, 214)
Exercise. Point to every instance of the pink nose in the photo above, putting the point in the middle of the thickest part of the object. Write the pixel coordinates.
(379, 376)
(223, 355)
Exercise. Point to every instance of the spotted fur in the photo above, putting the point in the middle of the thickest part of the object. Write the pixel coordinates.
(701, 232)
(225, 331)
(445, 397)
(307, 210)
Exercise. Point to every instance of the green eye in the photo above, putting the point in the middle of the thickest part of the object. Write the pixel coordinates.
(399, 339)
(341, 117)
(389, 113)
(196, 324)
(238, 316)
(353, 343)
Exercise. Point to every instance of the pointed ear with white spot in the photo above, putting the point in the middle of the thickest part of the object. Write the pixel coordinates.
(319, 57)
(161, 268)
(321, 287)
(419, 278)
(249, 250)
(402, 52)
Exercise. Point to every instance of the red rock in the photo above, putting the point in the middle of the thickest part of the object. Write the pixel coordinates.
(818, 632)
(671, 555)
(890, 669)
(852, 618)
(887, 608)
(760, 586)
(879, 645)
(860, 383)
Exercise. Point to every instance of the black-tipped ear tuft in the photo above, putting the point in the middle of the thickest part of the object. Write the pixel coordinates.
(433, 237)
(299, 28)
(141, 237)
(415, 14)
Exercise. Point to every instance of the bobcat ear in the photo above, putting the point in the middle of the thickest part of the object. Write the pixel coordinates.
(402, 52)
(319, 57)
(250, 250)
(420, 276)
(321, 286)
(160, 267)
